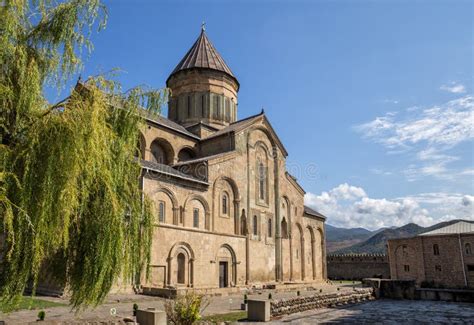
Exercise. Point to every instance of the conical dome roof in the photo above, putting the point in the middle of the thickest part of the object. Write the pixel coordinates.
(203, 55)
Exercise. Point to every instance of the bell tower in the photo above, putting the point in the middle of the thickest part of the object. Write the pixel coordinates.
(203, 88)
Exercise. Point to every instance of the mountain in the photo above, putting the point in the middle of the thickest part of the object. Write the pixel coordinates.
(338, 238)
(377, 242)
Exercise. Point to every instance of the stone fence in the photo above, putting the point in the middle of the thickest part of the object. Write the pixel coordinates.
(298, 304)
(263, 310)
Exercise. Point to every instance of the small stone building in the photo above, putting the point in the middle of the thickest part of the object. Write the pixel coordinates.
(442, 257)
(228, 213)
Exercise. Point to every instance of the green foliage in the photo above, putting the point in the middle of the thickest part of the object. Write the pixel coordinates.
(41, 315)
(30, 303)
(135, 308)
(229, 317)
(69, 183)
(186, 309)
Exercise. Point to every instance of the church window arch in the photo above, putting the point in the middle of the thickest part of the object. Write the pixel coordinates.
(161, 211)
(196, 218)
(270, 227)
(243, 223)
(225, 203)
(181, 261)
(186, 154)
(255, 225)
(189, 106)
(162, 152)
(262, 181)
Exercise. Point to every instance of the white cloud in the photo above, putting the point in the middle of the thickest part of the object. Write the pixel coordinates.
(430, 132)
(454, 87)
(350, 206)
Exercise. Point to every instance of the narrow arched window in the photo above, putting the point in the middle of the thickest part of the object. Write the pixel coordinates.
(468, 249)
(255, 225)
(224, 204)
(196, 218)
(435, 249)
(203, 105)
(189, 106)
(262, 180)
(161, 211)
(270, 228)
(181, 267)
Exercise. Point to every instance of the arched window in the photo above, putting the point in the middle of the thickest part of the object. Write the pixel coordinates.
(284, 229)
(435, 249)
(196, 218)
(181, 267)
(270, 227)
(225, 202)
(262, 181)
(468, 249)
(243, 223)
(185, 154)
(158, 153)
(255, 225)
(161, 211)
(189, 106)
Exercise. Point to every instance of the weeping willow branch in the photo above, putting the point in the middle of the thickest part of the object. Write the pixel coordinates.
(69, 186)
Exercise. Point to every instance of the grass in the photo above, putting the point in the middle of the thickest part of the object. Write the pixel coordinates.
(346, 282)
(32, 303)
(229, 317)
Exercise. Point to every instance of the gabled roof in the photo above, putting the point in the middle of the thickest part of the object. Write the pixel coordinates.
(460, 227)
(203, 55)
(163, 121)
(312, 212)
(202, 159)
(169, 171)
(240, 125)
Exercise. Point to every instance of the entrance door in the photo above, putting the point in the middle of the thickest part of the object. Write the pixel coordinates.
(223, 274)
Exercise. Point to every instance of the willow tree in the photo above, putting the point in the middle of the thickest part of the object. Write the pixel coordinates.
(69, 183)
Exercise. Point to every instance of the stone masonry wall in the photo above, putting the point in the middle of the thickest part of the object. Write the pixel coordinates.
(299, 304)
(358, 266)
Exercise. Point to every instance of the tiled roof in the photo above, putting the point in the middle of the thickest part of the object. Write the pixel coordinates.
(235, 126)
(207, 158)
(203, 55)
(158, 119)
(170, 171)
(312, 212)
(460, 227)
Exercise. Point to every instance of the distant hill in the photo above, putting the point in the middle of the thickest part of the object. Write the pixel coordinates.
(338, 238)
(377, 242)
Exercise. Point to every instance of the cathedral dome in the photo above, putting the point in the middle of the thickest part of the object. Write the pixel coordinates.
(203, 88)
(203, 55)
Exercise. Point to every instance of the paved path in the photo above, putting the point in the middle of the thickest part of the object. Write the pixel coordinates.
(124, 304)
(388, 312)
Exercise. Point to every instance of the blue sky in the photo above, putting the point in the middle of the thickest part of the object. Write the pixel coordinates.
(375, 95)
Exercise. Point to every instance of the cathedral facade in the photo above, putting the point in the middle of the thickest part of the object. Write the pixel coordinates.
(228, 214)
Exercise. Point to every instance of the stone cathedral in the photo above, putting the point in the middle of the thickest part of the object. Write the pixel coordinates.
(228, 214)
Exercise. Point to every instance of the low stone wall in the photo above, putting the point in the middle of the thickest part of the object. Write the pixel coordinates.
(456, 295)
(358, 266)
(298, 304)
